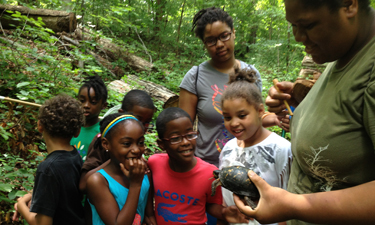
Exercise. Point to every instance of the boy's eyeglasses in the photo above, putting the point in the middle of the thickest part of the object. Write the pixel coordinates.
(178, 139)
(223, 37)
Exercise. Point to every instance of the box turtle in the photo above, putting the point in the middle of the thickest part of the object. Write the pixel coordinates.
(235, 179)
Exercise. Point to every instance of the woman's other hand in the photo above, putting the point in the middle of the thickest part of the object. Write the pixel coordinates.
(275, 99)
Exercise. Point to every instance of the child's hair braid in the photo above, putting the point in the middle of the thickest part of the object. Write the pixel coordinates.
(98, 85)
(242, 85)
(209, 16)
(61, 116)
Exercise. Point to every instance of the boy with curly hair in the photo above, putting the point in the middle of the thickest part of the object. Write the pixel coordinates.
(56, 198)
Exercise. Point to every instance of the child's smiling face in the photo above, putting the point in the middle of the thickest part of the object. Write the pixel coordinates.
(182, 152)
(242, 119)
(126, 142)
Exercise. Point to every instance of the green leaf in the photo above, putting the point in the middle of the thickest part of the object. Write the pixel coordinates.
(6, 187)
(12, 194)
(24, 92)
(2, 198)
(20, 193)
(22, 84)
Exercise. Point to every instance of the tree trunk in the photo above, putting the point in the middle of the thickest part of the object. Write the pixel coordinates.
(58, 21)
(116, 52)
(160, 5)
(157, 91)
(179, 25)
(288, 48)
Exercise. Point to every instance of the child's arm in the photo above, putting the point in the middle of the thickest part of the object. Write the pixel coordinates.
(96, 159)
(230, 214)
(85, 176)
(30, 217)
(150, 215)
(104, 202)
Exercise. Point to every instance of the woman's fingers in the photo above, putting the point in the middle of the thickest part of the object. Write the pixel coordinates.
(275, 99)
(245, 209)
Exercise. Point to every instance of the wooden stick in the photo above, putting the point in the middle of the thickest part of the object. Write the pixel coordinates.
(25, 103)
(275, 81)
(19, 101)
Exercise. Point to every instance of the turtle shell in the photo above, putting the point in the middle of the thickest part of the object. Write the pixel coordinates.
(235, 179)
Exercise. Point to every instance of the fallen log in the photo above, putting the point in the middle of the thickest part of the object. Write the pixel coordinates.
(116, 52)
(308, 63)
(58, 21)
(157, 91)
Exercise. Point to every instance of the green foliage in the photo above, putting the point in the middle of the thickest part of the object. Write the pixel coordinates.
(17, 175)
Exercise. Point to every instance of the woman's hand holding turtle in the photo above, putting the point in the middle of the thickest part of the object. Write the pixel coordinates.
(273, 205)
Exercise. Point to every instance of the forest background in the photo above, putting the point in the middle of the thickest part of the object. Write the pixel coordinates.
(159, 31)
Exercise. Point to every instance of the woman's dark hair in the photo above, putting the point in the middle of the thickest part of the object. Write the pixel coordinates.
(242, 85)
(107, 120)
(137, 98)
(209, 16)
(98, 85)
(61, 116)
(333, 5)
(167, 115)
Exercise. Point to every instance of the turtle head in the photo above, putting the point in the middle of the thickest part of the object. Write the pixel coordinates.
(216, 173)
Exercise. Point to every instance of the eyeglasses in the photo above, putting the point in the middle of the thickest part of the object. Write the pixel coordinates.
(223, 37)
(177, 139)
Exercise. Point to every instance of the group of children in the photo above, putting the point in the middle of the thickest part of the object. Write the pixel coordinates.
(114, 178)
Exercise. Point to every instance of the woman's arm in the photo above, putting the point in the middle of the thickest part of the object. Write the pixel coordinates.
(188, 102)
(353, 205)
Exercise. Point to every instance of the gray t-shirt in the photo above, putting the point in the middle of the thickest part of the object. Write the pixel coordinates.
(210, 86)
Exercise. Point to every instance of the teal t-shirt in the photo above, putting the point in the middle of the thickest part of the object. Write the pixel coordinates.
(83, 141)
(120, 193)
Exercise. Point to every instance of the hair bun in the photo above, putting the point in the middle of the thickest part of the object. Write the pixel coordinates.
(240, 75)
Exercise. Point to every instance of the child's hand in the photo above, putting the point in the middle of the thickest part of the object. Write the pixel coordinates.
(136, 170)
(16, 215)
(284, 122)
(233, 215)
(149, 221)
(27, 200)
(145, 161)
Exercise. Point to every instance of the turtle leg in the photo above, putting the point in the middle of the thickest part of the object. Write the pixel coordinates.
(250, 202)
(214, 185)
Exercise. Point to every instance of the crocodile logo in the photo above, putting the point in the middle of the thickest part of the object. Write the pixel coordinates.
(168, 215)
